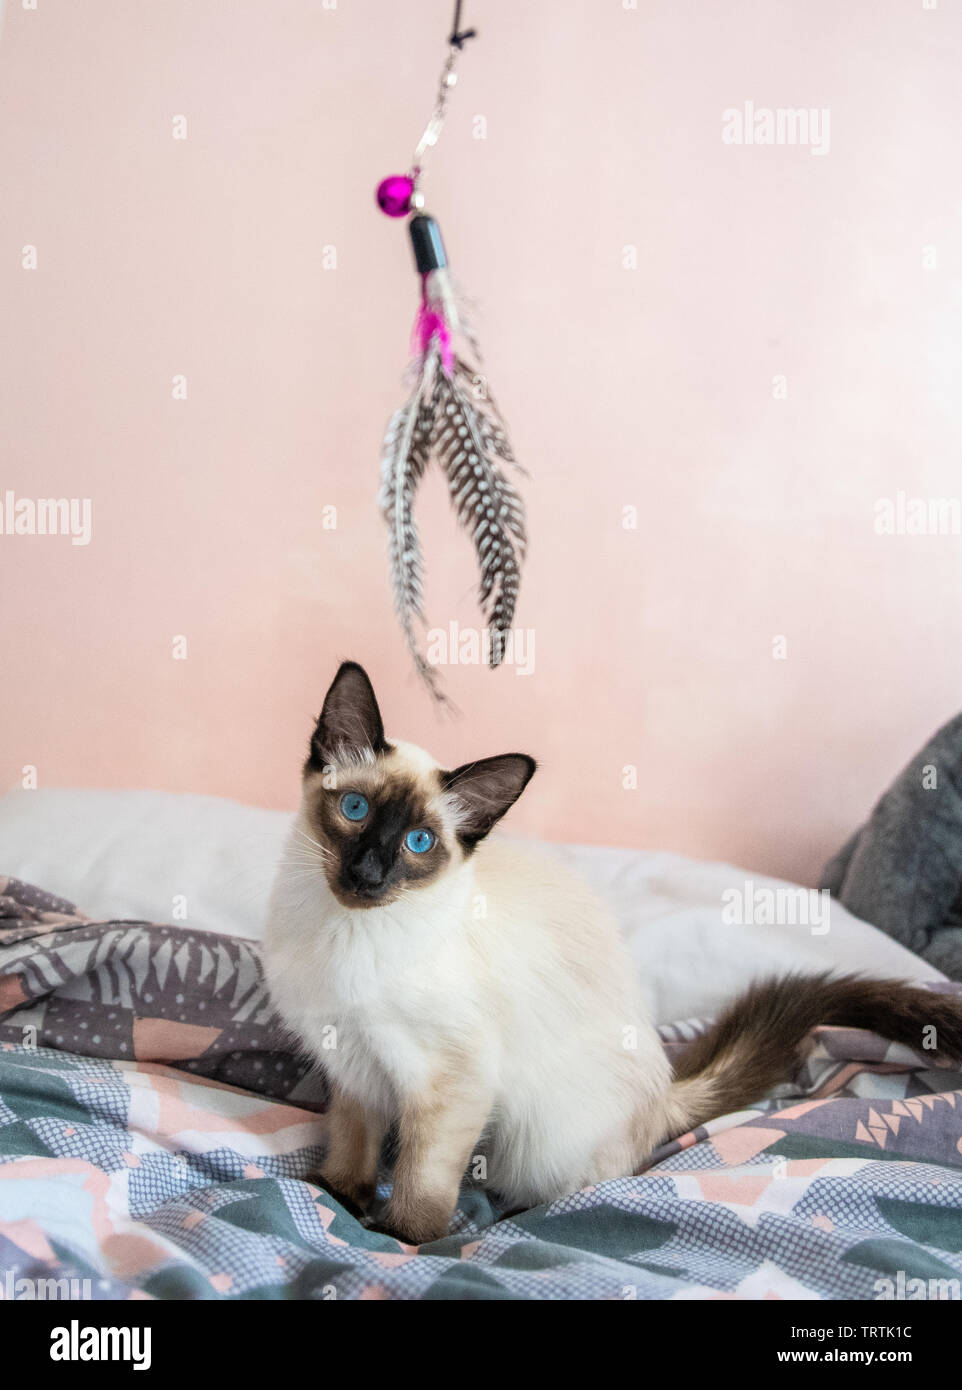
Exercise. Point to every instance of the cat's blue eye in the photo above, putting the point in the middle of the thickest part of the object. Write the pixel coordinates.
(419, 841)
(354, 805)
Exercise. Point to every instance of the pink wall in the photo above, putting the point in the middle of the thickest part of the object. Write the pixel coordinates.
(649, 387)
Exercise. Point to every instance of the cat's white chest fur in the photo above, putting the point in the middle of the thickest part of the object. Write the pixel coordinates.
(374, 995)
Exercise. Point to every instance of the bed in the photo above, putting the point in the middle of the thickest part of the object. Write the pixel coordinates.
(157, 1128)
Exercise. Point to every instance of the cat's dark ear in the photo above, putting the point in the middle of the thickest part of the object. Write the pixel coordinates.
(485, 790)
(350, 722)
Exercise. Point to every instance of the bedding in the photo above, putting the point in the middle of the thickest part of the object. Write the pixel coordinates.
(157, 1133)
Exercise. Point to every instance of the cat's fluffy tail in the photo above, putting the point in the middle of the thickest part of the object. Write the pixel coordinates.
(759, 1040)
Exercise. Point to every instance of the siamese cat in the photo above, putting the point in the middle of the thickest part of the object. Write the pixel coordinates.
(477, 997)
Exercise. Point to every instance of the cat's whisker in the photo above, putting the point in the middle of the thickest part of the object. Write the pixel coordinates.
(306, 873)
(301, 854)
(315, 844)
(304, 854)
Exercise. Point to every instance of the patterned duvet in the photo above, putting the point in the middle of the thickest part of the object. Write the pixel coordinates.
(156, 1128)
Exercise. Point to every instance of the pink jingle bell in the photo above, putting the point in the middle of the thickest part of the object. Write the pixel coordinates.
(394, 195)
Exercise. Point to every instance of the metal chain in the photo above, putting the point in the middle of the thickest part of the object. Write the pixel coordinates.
(434, 126)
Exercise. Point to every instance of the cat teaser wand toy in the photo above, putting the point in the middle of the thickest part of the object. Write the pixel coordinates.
(449, 416)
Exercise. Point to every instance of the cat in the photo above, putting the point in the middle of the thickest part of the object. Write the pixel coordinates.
(476, 996)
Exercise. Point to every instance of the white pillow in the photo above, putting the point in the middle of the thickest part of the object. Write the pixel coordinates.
(204, 862)
(197, 861)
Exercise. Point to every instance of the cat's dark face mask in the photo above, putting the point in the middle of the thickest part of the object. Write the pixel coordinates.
(386, 820)
(383, 835)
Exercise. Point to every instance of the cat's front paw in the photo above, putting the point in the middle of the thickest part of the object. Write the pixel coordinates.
(414, 1225)
(351, 1191)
